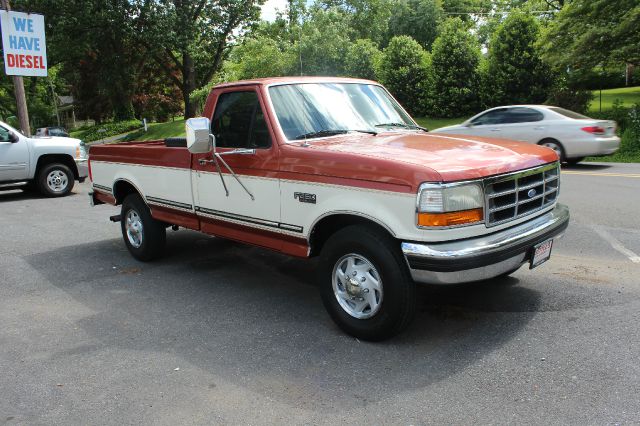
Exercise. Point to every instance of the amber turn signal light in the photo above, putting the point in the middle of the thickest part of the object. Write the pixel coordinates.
(450, 218)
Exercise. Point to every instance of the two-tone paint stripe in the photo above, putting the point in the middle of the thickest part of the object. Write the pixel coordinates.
(216, 214)
(102, 188)
(169, 203)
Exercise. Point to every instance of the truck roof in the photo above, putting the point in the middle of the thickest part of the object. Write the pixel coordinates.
(293, 79)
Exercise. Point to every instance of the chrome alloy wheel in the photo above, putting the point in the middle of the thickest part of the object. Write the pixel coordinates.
(133, 225)
(57, 180)
(357, 286)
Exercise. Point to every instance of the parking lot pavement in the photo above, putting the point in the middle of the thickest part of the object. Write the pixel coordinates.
(220, 333)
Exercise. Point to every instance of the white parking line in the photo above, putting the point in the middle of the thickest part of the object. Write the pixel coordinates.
(617, 245)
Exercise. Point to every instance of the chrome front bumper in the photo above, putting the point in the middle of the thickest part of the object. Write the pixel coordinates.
(484, 257)
(83, 168)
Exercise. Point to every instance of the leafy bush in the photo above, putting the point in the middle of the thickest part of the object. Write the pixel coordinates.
(405, 71)
(628, 120)
(565, 96)
(107, 130)
(455, 58)
(618, 113)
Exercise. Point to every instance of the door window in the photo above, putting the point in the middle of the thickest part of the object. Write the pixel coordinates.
(496, 116)
(239, 122)
(523, 115)
(5, 136)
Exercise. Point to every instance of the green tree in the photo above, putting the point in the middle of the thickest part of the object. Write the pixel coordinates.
(587, 33)
(320, 43)
(369, 19)
(515, 72)
(261, 57)
(418, 19)
(362, 59)
(455, 58)
(405, 71)
(189, 40)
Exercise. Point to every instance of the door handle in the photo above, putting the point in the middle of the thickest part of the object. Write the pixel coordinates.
(538, 128)
(495, 130)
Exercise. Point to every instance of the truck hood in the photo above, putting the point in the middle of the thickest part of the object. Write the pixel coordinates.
(452, 157)
(57, 140)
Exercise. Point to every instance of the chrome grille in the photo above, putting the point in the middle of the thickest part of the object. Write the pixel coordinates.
(511, 196)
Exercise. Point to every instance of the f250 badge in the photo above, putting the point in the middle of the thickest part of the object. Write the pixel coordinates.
(304, 197)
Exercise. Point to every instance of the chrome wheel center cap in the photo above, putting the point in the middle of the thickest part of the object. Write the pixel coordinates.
(353, 287)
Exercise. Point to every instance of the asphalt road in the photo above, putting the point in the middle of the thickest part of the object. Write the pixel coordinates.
(220, 333)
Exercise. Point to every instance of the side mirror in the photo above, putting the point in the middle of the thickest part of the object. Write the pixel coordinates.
(13, 138)
(199, 139)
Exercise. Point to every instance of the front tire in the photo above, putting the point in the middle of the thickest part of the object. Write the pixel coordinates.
(55, 180)
(574, 161)
(144, 236)
(365, 283)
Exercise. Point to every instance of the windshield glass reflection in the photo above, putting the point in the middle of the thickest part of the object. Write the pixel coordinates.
(323, 109)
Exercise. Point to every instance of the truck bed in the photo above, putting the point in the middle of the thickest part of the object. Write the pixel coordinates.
(151, 153)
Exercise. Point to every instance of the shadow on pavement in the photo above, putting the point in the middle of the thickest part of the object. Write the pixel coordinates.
(586, 166)
(255, 318)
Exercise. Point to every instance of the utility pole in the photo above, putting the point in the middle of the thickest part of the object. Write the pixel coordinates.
(18, 88)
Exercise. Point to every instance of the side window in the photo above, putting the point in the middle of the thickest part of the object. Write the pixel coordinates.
(497, 116)
(4, 135)
(239, 122)
(524, 115)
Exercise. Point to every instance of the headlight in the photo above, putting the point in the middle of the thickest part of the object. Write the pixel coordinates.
(450, 204)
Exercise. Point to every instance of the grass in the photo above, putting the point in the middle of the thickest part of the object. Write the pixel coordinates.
(434, 123)
(170, 129)
(627, 95)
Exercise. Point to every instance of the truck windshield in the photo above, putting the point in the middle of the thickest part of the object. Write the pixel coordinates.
(310, 110)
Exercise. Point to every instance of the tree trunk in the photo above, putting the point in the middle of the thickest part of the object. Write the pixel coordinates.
(188, 85)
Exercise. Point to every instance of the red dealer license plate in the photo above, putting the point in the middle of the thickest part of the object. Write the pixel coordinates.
(541, 253)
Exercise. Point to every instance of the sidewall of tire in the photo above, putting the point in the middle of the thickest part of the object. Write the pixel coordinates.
(154, 232)
(43, 187)
(398, 301)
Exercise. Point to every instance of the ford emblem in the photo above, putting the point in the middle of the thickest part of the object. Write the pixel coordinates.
(532, 193)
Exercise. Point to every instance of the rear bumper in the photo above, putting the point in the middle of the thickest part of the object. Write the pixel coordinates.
(484, 257)
(596, 147)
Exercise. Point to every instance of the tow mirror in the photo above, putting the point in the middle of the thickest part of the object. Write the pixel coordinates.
(199, 138)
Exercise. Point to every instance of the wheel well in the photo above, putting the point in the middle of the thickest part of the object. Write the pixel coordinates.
(67, 160)
(329, 225)
(122, 188)
(556, 141)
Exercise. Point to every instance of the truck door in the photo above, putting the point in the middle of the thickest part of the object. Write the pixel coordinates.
(14, 157)
(248, 209)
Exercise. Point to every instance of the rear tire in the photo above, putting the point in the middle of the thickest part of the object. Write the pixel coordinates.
(144, 236)
(574, 161)
(55, 180)
(554, 145)
(365, 283)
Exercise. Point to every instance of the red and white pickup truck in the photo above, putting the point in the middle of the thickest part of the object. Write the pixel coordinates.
(335, 168)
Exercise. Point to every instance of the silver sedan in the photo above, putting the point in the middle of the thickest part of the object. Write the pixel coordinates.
(573, 136)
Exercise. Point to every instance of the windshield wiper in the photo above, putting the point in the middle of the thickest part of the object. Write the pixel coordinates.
(403, 125)
(326, 132)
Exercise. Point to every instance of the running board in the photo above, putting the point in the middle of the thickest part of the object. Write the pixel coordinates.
(12, 185)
